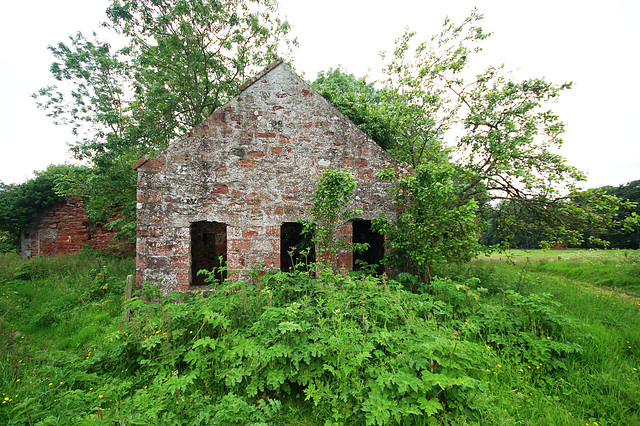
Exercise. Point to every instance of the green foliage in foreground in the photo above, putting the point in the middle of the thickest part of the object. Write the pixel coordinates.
(487, 346)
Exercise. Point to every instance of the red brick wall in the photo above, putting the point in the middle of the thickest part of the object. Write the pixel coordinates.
(64, 229)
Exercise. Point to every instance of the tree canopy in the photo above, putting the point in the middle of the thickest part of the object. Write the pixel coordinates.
(484, 149)
(179, 61)
(359, 101)
(627, 237)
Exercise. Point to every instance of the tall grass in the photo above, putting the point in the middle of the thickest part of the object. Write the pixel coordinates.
(614, 269)
(8, 264)
(618, 270)
(50, 308)
(54, 299)
(602, 384)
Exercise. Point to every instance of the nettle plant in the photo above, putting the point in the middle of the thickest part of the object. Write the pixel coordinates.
(356, 350)
(349, 349)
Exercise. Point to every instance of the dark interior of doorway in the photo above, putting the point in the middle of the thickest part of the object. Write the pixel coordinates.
(208, 251)
(362, 233)
(296, 248)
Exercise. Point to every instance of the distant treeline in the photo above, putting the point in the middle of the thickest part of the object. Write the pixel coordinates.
(617, 238)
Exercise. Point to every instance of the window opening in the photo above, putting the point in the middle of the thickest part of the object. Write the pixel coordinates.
(208, 250)
(296, 248)
(372, 256)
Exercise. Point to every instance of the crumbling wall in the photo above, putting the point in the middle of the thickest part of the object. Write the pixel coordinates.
(251, 166)
(64, 229)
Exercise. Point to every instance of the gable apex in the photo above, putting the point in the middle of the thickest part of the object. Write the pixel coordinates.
(261, 74)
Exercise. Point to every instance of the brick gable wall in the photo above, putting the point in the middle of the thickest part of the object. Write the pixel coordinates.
(252, 166)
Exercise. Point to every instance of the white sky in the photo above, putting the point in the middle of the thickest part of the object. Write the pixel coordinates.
(595, 44)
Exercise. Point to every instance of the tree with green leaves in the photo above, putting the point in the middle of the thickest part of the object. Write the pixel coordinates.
(432, 227)
(492, 140)
(179, 61)
(498, 132)
(589, 218)
(359, 101)
(626, 236)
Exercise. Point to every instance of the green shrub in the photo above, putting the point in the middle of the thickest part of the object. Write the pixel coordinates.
(289, 348)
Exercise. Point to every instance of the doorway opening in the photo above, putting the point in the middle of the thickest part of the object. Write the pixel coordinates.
(208, 251)
(372, 256)
(296, 248)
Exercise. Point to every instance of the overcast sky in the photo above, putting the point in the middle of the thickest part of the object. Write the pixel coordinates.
(592, 43)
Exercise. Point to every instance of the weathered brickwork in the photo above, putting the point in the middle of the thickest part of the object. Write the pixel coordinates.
(64, 229)
(249, 168)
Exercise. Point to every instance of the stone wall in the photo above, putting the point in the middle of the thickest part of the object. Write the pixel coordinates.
(251, 166)
(64, 229)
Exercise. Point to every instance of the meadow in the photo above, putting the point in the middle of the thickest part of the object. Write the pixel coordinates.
(521, 338)
(617, 270)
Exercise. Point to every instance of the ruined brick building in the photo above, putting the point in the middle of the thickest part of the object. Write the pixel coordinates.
(64, 229)
(235, 186)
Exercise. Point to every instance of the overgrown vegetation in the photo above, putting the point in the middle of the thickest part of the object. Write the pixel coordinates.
(474, 343)
(486, 343)
(432, 228)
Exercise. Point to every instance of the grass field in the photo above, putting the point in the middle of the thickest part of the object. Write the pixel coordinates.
(599, 289)
(554, 342)
(617, 270)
